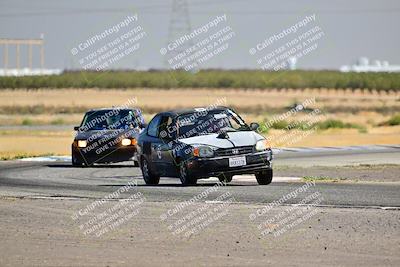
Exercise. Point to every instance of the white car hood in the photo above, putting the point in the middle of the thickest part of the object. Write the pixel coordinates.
(243, 138)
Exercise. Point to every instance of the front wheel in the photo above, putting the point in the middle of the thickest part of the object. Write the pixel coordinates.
(264, 177)
(75, 161)
(149, 177)
(184, 175)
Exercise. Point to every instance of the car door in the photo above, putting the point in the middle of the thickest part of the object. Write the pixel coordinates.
(152, 144)
(166, 134)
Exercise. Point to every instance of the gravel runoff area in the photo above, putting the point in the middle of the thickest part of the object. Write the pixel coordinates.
(43, 233)
(356, 224)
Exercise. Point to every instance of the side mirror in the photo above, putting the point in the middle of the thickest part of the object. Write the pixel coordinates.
(76, 128)
(254, 126)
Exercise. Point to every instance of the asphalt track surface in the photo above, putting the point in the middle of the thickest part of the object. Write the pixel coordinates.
(58, 179)
(355, 223)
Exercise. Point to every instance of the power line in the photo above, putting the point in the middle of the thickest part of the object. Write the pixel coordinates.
(162, 8)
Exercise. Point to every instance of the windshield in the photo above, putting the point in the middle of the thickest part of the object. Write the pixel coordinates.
(110, 119)
(214, 121)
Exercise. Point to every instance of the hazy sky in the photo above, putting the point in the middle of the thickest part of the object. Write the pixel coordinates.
(352, 28)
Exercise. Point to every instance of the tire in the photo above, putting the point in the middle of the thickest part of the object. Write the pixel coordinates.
(76, 162)
(136, 160)
(264, 177)
(148, 176)
(225, 178)
(184, 175)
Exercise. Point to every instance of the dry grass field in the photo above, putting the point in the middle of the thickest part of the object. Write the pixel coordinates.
(19, 143)
(161, 99)
(65, 107)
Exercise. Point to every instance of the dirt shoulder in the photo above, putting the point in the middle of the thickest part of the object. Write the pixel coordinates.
(360, 173)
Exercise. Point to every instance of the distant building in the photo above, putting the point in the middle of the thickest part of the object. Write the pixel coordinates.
(292, 63)
(29, 72)
(363, 65)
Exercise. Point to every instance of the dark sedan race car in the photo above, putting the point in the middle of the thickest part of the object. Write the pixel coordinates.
(107, 135)
(201, 143)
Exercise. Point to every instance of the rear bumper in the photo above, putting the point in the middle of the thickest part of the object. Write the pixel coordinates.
(113, 154)
(206, 167)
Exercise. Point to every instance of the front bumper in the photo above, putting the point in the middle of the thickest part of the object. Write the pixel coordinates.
(207, 167)
(112, 154)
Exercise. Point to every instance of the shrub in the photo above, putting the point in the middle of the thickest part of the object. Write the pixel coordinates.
(279, 125)
(27, 122)
(58, 121)
(331, 123)
(323, 125)
(394, 120)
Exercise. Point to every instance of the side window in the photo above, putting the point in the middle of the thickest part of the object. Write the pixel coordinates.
(152, 129)
(138, 118)
(166, 122)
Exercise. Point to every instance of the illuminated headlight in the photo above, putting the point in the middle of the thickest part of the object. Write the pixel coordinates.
(126, 142)
(82, 143)
(203, 151)
(262, 145)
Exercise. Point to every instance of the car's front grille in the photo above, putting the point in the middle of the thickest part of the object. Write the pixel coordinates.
(221, 152)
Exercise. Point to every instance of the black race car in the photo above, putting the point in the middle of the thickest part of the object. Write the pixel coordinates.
(202, 143)
(107, 135)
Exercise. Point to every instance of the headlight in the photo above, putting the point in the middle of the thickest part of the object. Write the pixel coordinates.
(125, 142)
(82, 143)
(128, 142)
(203, 151)
(262, 145)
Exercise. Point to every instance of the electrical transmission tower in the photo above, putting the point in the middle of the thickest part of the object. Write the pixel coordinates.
(179, 25)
